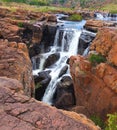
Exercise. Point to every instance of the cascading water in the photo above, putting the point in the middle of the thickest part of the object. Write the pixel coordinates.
(64, 55)
(106, 16)
(66, 44)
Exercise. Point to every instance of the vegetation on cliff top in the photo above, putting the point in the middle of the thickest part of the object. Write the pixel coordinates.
(73, 3)
(96, 59)
(31, 2)
(55, 5)
(75, 17)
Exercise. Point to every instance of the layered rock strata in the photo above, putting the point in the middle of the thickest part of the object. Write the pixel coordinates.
(15, 63)
(96, 86)
(19, 112)
(105, 43)
(94, 25)
(28, 27)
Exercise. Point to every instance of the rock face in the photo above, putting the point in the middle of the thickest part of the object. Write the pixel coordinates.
(15, 63)
(94, 25)
(22, 26)
(96, 86)
(21, 112)
(85, 39)
(106, 44)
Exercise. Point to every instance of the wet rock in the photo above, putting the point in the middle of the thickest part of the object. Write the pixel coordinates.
(36, 30)
(21, 112)
(53, 58)
(35, 50)
(41, 81)
(43, 77)
(35, 62)
(85, 39)
(49, 31)
(63, 70)
(64, 95)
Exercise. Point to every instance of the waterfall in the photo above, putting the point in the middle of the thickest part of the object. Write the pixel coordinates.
(66, 44)
(73, 48)
(86, 51)
(106, 16)
(69, 46)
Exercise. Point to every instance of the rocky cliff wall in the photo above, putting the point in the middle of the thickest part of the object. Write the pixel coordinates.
(15, 63)
(96, 85)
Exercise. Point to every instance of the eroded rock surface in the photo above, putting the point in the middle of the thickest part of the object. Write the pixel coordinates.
(105, 43)
(18, 112)
(15, 63)
(27, 27)
(94, 25)
(96, 86)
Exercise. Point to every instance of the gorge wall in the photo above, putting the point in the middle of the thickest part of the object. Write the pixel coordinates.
(96, 85)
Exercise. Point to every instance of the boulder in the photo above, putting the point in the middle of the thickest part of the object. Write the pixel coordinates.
(15, 63)
(21, 112)
(41, 82)
(63, 71)
(64, 95)
(95, 88)
(51, 59)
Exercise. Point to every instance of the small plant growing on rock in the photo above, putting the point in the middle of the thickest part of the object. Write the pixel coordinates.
(98, 121)
(112, 122)
(75, 17)
(38, 85)
(96, 59)
(20, 24)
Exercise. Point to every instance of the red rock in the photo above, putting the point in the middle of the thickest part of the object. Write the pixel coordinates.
(95, 25)
(106, 44)
(95, 89)
(15, 63)
(21, 112)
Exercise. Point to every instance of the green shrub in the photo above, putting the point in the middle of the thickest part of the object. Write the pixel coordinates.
(113, 11)
(96, 58)
(75, 17)
(98, 121)
(112, 122)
